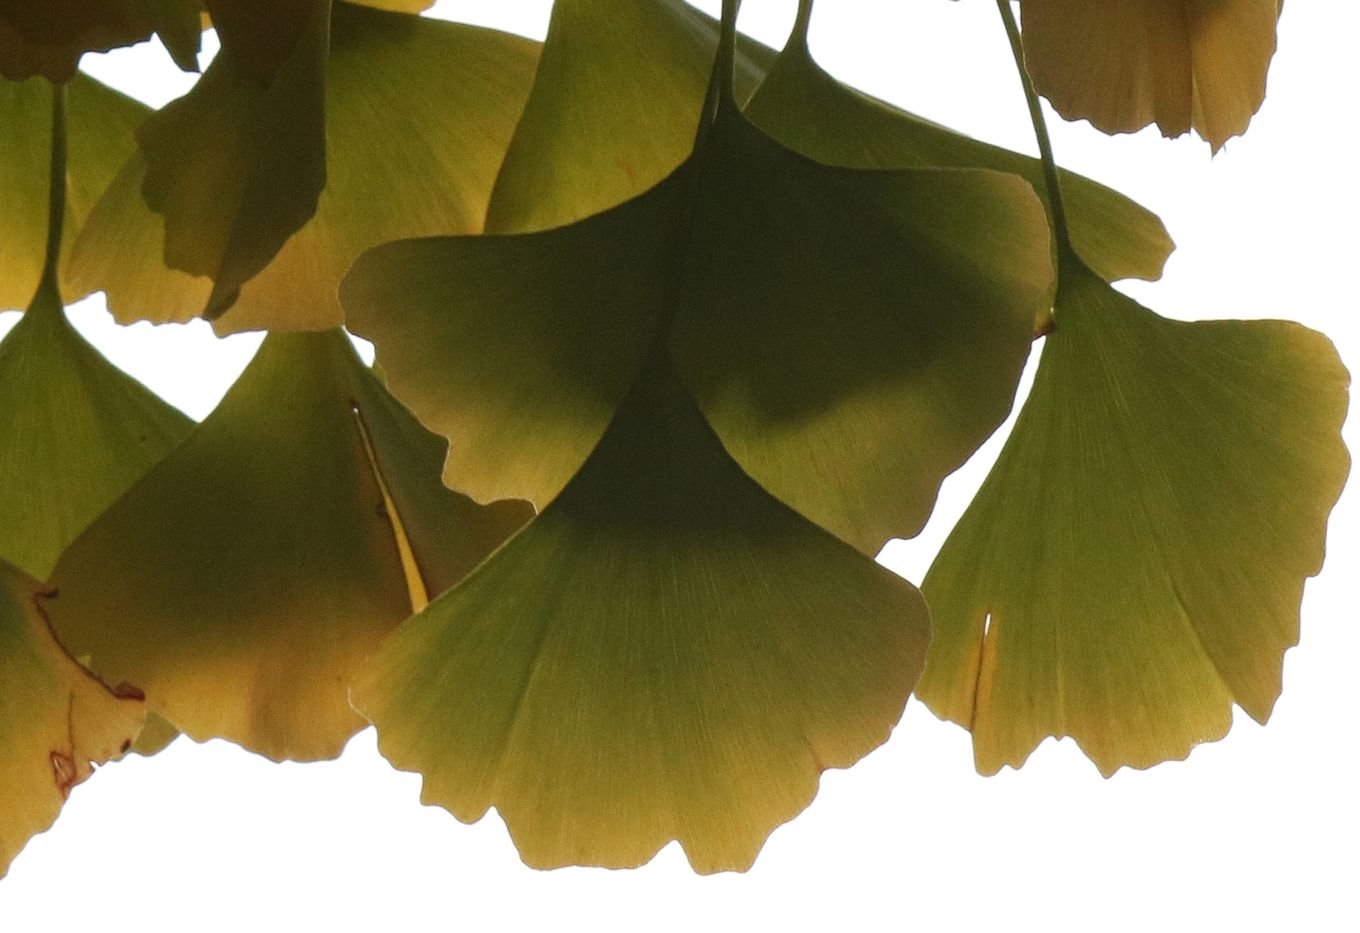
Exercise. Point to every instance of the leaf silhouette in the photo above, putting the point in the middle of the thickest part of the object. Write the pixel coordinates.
(666, 652)
(48, 39)
(244, 578)
(419, 114)
(101, 137)
(56, 719)
(852, 335)
(1181, 64)
(811, 112)
(1134, 563)
(78, 432)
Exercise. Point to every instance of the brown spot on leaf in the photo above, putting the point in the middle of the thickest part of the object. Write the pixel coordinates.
(63, 773)
(126, 691)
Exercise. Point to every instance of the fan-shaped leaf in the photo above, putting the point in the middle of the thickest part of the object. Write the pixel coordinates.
(1134, 563)
(100, 138)
(243, 579)
(665, 653)
(77, 433)
(419, 113)
(56, 719)
(1177, 63)
(48, 38)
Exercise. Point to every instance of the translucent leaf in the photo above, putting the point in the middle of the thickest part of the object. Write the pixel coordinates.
(1134, 563)
(1181, 64)
(241, 582)
(56, 719)
(666, 652)
(100, 138)
(419, 114)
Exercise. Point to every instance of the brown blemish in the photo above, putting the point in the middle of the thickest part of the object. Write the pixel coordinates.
(126, 691)
(63, 773)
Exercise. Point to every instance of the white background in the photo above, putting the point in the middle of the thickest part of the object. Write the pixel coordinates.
(1258, 831)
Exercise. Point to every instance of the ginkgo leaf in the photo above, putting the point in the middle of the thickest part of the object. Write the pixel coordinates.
(48, 39)
(56, 719)
(1134, 563)
(852, 335)
(808, 110)
(666, 652)
(99, 139)
(613, 110)
(236, 165)
(418, 114)
(1181, 64)
(241, 582)
(77, 433)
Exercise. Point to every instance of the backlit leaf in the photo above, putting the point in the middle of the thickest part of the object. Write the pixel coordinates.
(77, 433)
(666, 652)
(48, 38)
(241, 582)
(1181, 64)
(56, 719)
(419, 113)
(1134, 563)
(100, 138)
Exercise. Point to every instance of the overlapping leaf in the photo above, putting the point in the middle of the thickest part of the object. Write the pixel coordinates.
(101, 123)
(48, 39)
(806, 109)
(419, 114)
(56, 719)
(241, 582)
(666, 652)
(77, 433)
(1181, 64)
(1134, 563)
(852, 335)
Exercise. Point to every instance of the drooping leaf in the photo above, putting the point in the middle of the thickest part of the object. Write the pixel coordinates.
(100, 138)
(241, 582)
(77, 433)
(1134, 563)
(1181, 64)
(48, 39)
(236, 165)
(613, 110)
(56, 719)
(808, 110)
(419, 113)
(852, 335)
(666, 652)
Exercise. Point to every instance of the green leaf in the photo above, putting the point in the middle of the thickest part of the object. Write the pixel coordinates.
(852, 335)
(48, 39)
(666, 652)
(78, 432)
(56, 720)
(235, 166)
(1177, 63)
(101, 123)
(418, 116)
(241, 582)
(613, 111)
(811, 112)
(1134, 563)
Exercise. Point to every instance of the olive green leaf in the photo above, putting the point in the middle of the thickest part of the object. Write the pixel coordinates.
(101, 123)
(811, 112)
(1181, 64)
(613, 110)
(56, 720)
(78, 432)
(666, 652)
(852, 335)
(241, 582)
(236, 165)
(1134, 563)
(48, 39)
(418, 116)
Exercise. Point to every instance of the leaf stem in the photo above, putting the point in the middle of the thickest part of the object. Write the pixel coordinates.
(727, 52)
(56, 191)
(802, 24)
(1057, 212)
